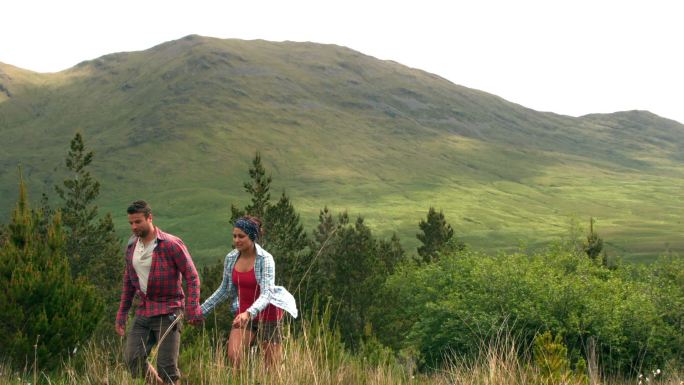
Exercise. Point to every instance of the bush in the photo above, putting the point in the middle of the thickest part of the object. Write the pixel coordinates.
(667, 291)
(46, 314)
(444, 308)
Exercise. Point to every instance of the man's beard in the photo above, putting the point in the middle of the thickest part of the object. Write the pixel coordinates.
(142, 233)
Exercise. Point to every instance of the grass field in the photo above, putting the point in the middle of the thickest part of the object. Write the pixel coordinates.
(315, 357)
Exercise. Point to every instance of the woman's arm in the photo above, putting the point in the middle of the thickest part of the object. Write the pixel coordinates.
(223, 291)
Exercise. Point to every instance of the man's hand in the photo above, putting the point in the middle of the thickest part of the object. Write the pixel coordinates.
(196, 322)
(120, 329)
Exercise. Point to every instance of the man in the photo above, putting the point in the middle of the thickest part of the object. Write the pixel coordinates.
(155, 262)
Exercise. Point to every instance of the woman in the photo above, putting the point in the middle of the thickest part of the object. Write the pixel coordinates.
(257, 304)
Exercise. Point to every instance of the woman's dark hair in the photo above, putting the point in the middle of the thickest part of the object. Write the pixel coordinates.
(140, 206)
(257, 222)
(251, 225)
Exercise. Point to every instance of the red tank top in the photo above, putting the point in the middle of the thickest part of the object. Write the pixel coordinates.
(248, 292)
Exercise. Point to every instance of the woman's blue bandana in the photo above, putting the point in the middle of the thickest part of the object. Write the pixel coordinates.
(249, 227)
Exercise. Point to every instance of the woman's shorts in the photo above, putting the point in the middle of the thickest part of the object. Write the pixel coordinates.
(267, 331)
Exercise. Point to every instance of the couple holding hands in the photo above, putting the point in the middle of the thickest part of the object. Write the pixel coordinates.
(156, 264)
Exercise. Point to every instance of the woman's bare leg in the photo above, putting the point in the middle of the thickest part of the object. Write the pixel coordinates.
(238, 341)
(272, 354)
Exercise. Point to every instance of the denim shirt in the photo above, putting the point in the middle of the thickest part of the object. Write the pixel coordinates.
(264, 270)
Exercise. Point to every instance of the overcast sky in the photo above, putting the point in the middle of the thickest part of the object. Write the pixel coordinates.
(569, 57)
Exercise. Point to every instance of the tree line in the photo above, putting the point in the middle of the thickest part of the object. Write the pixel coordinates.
(60, 274)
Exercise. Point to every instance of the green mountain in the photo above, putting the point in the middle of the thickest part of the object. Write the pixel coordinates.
(178, 125)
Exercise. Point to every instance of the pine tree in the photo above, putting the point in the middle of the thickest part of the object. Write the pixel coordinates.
(284, 237)
(4, 234)
(551, 358)
(258, 187)
(92, 246)
(436, 235)
(78, 193)
(327, 225)
(46, 314)
(349, 267)
(44, 220)
(319, 281)
(391, 252)
(594, 244)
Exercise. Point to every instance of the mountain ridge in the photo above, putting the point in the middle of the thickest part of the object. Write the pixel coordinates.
(336, 127)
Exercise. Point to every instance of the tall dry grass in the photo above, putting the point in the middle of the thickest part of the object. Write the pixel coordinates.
(315, 356)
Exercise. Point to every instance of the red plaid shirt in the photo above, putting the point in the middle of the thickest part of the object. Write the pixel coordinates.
(170, 260)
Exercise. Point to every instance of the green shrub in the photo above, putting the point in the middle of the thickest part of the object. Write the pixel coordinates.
(46, 314)
(444, 308)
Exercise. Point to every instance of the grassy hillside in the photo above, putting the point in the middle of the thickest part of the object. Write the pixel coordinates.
(179, 123)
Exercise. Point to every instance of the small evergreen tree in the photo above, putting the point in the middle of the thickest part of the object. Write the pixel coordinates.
(46, 314)
(436, 234)
(327, 225)
(551, 358)
(284, 237)
(258, 187)
(349, 268)
(391, 253)
(78, 193)
(44, 221)
(3, 234)
(594, 244)
(318, 281)
(93, 249)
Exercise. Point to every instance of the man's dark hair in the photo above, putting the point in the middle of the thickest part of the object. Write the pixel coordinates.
(140, 207)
